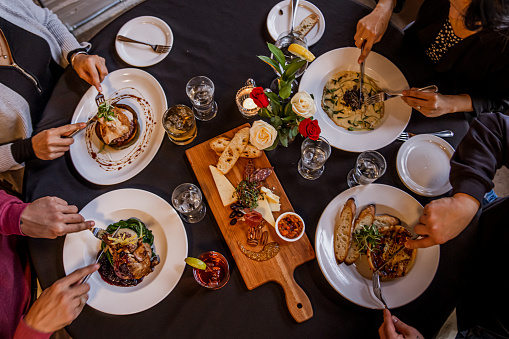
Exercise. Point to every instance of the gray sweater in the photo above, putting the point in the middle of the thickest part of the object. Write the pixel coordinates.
(14, 110)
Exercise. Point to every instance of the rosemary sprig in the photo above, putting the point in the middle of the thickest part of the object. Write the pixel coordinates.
(106, 111)
(366, 237)
(247, 193)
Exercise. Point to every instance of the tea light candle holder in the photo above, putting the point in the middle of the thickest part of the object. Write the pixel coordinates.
(246, 105)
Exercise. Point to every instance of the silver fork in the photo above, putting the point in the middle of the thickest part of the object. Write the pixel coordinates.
(99, 99)
(404, 136)
(156, 48)
(382, 96)
(377, 289)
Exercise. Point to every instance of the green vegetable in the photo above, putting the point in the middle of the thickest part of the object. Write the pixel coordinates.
(247, 192)
(106, 111)
(366, 237)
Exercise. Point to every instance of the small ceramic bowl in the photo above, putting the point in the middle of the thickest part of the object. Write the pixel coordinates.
(291, 218)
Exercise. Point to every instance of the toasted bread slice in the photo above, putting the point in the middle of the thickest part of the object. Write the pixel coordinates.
(343, 229)
(393, 238)
(307, 24)
(219, 144)
(233, 150)
(386, 220)
(366, 217)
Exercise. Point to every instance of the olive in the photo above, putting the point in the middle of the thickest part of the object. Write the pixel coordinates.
(239, 214)
(233, 214)
(233, 221)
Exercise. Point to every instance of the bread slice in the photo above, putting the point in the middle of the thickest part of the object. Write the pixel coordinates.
(386, 220)
(307, 24)
(233, 150)
(343, 229)
(219, 144)
(393, 238)
(366, 217)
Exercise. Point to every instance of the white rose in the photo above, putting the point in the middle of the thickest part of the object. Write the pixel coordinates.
(262, 134)
(303, 105)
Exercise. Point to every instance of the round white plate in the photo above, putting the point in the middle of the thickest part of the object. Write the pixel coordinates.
(389, 79)
(346, 279)
(148, 29)
(423, 164)
(170, 243)
(277, 23)
(145, 95)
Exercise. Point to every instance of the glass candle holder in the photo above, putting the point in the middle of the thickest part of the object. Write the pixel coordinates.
(246, 105)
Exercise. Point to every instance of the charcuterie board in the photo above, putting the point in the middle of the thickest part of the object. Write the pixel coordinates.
(280, 268)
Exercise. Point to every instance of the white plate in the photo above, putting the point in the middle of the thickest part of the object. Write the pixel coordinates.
(346, 279)
(148, 29)
(389, 79)
(170, 242)
(423, 164)
(278, 23)
(145, 95)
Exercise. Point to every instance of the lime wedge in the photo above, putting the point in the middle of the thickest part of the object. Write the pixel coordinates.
(301, 52)
(196, 263)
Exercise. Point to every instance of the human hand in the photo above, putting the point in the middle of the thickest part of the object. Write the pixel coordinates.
(91, 68)
(49, 144)
(51, 217)
(372, 27)
(443, 219)
(393, 328)
(61, 303)
(432, 104)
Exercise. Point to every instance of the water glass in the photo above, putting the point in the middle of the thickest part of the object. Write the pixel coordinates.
(188, 201)
(314, 153)
(200, 90)
(370, 166)
(180, 124)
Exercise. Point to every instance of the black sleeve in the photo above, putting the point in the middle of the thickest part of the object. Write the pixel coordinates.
(22, 150)
(483, 150)
(71, 53)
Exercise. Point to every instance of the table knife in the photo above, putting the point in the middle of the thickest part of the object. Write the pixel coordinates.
(97, 232)
(361, 78)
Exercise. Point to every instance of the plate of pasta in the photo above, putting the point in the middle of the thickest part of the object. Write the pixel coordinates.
(333, 80)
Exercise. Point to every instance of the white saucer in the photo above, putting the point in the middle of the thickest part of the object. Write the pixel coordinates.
(423, 164)
(277, 23)
(147, 29)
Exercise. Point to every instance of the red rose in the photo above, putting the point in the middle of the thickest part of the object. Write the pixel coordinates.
(259, 97)
(309, 129)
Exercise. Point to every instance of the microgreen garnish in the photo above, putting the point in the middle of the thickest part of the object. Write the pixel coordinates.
(247, 192)
(366, 237)
(106, 111)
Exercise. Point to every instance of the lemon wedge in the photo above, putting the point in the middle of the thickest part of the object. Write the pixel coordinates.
(301, 52)
(196, 263)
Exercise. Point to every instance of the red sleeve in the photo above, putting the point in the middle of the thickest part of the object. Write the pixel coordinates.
(23, 331)
(10, 214)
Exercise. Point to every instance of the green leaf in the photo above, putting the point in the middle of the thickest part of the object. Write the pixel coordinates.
(274, 145)
(272, 96)
(295, 130)
(285, 92)
(293, 61)
(264, 113)
(289, 110)
(283, 139)
(278, 54)
(276, 121)
(294, 68)
(271, 62)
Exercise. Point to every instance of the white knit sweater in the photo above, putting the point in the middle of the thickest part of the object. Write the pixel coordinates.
(15, 122)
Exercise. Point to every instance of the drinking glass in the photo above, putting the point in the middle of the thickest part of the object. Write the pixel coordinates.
(314, 153)
(200, 90)
(217, 273)
(188, 201)
(370, 166)
(179, 124)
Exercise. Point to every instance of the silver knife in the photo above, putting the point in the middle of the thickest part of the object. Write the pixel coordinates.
(396, 253)
(91, 120)
(98, 232)
(361, 78)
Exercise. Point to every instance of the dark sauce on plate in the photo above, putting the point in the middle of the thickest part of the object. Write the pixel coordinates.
(108, 274)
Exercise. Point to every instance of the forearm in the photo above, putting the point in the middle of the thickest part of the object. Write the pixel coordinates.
(24, 331)
(386, 5)
(460, 103)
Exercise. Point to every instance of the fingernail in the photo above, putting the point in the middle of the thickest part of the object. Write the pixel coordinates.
(394, 319)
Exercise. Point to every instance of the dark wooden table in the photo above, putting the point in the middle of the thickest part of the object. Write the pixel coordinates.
(220, 39)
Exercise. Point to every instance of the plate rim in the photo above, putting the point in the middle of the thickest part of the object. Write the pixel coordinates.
(158, 133)
(132, 194)
(403, 150)
(392, 124)
(155, 60)
(433, 252)
(279, 5)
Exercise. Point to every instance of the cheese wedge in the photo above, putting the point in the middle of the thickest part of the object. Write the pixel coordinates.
(224, 186)
(264, 209)
(272, 199)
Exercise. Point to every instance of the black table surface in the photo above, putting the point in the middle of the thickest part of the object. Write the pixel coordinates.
(220, 39)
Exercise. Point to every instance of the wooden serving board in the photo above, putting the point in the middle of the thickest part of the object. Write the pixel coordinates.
(291, 254)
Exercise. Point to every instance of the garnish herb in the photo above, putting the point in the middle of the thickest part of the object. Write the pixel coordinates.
(247, 193)
(106, 111)
(366, 237)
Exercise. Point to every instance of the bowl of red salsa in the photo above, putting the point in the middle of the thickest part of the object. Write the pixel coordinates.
(290, 226)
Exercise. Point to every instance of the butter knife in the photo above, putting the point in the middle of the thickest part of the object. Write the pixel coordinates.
(98, 232)
(361, 78)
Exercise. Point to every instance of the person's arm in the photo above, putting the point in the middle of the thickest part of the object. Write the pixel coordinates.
(435, 104)
(11, 209)
(393, 328)
(7, 161)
